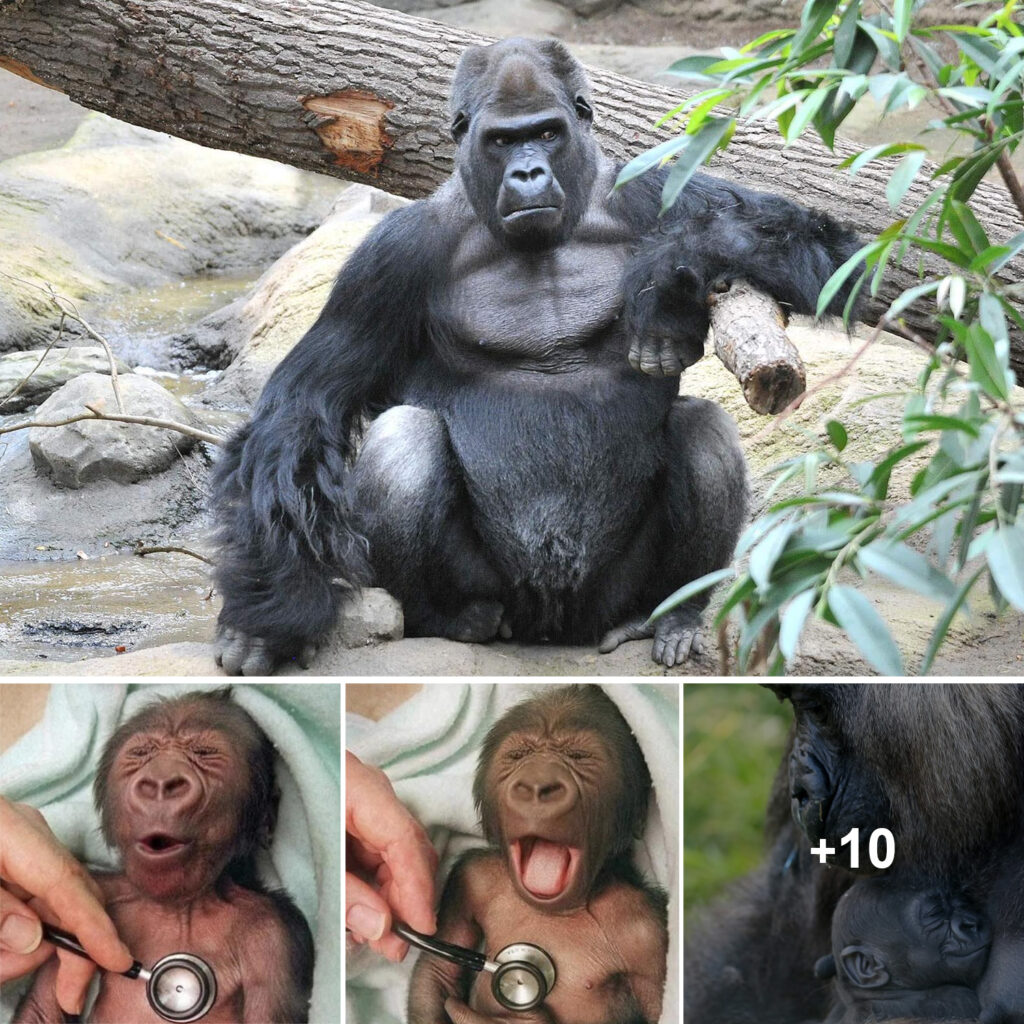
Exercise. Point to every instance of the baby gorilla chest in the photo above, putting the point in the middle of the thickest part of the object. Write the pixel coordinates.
(178, 986)
(542, 308)
(592, 984)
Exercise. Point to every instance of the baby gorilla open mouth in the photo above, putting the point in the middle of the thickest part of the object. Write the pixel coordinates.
(161, 843)
(545, 869)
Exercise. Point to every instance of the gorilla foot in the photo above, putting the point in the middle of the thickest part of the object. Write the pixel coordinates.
(632, 629)
(240, 654)
(478, 622)
(677, 635)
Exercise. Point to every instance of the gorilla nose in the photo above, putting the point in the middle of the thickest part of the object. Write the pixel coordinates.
(542, 790)
(164, 782)
(529, 180)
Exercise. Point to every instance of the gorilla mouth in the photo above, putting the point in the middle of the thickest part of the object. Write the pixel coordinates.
(527, 211)
(161, 844)
(544, 869)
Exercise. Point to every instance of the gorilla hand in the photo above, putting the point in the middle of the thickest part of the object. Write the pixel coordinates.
(677, 634)
(666, 313)
(460, 1013)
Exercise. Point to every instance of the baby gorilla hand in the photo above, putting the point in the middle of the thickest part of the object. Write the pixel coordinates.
(459, 1013)
(666, 313)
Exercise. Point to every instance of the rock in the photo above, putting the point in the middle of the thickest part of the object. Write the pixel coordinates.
(285, 301)
(81, 452)
(370, 618)
(120, 206)
(58, 367)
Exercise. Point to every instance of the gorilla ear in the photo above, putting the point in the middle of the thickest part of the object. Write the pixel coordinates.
(460, 125)
(825, 967)
(863, 967)
(584, 111)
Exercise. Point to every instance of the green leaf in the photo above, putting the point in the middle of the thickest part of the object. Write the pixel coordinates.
(765, 555)
(984, 362)
(805, 113)
(1005, 556)
(834, 284)
(837, 434)
(1014, 245)
(945, 620)
(970, 96)
(845, 37)
(918, 423)
(965, 227)
(815, 16)
(864, 626)
(792, 624)
(901, 12)
(699, 148)
(990, 316)
(903, 177)
(650, 159)
(982, 53)
(906, 568)
(909, 297)
(693, 67)
(856, 161)
(692, 589)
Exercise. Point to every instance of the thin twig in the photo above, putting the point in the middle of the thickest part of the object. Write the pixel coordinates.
(31, 373)
(169, 548)
(74, 314)
(142, 421)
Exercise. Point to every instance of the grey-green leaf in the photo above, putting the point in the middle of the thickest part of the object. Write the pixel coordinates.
(793, 623)
(907, 568)
(864, 626)
(1005, 554)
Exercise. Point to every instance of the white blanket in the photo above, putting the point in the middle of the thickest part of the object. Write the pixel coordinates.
(429, 746)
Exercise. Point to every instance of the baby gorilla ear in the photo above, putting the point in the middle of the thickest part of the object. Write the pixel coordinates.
(584, 111)
(825, 968)
(460, 125)
(863, 967)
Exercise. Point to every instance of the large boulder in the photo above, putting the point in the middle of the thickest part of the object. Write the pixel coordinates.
(77, 453)
(58, 366)
(260, 329)
(120, 206)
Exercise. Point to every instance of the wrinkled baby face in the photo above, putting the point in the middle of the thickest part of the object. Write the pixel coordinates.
(554, 796)
(947, 941)
(175, 796)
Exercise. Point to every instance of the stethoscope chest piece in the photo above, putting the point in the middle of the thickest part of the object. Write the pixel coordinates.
(181, 988)
(524, 976)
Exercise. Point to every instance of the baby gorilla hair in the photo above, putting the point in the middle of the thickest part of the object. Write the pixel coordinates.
(209, 709)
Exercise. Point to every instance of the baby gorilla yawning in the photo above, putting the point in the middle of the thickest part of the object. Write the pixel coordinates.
(186, 793)
(562, 788)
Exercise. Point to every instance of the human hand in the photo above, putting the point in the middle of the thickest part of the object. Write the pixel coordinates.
(394, 861)
(39, 875)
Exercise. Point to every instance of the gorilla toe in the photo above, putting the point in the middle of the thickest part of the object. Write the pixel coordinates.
(677, 635)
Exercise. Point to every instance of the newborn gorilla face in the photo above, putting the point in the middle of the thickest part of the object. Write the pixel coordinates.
(888, 937)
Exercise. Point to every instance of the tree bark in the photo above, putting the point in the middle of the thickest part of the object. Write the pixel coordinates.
(349, 89)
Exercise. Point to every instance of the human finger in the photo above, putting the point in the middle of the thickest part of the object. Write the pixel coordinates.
(21, 934)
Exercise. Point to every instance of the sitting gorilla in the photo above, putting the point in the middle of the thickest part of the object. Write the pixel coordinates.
(529, 469)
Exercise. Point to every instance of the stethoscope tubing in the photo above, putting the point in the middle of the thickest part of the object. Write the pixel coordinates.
(456, 954)
(66, 941)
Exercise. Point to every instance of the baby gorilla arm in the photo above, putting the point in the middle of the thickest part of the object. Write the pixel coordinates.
(39, 1005)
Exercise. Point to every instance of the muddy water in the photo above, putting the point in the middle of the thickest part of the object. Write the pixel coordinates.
(64, 610)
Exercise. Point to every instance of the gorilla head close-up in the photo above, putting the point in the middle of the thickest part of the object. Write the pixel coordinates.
(485, 419)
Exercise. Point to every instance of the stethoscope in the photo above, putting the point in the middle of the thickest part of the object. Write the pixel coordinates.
(180, 987)
(522, 974)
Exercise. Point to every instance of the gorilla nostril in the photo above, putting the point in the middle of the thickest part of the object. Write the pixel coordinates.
(800, 795)
(550, 791)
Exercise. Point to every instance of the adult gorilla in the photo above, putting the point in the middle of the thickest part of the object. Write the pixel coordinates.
(942, 767)
(530, 470)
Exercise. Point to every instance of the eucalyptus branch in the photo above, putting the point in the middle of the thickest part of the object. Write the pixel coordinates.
(170, 549)
(97, 414)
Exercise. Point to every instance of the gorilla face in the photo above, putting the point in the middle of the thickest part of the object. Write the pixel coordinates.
(526, 156)
(831, 790)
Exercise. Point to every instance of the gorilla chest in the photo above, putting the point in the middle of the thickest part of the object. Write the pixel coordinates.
(539, 307)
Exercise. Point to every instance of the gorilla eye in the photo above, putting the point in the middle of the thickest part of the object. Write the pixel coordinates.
(202, 751)
(577, 755)
(501, 140)
(138, 750)
(549, 134)
(518, 754)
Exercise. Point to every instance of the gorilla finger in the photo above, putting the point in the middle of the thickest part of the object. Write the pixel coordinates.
(671, 365)
(460, 1013)
(634, 355)
(658, 650)
(225, 635)
(650, 363)
(697, 647)
(234, 653)
(74, 974)
(258, 661)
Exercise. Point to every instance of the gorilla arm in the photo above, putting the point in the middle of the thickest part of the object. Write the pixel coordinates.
(720, 232)
(39, 1004)
(435, 980)
(284, 526)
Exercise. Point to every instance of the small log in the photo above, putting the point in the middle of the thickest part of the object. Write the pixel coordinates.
(750, 338)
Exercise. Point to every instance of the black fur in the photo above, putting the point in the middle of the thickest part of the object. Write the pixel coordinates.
(526, 479)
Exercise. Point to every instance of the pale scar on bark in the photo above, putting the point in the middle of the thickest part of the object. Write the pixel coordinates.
(351, 125)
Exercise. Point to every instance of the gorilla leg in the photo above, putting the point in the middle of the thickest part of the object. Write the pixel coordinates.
(695, 529)
(410, 503)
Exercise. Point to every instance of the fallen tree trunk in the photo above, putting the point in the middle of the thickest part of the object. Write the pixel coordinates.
(354, 90)
(750, 339)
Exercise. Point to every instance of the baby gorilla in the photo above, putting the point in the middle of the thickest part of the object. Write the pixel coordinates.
(562, 789)
(186, 793)
(901, 952)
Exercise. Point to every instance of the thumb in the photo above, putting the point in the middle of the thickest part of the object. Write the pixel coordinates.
(20, 929)
(367, 915)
